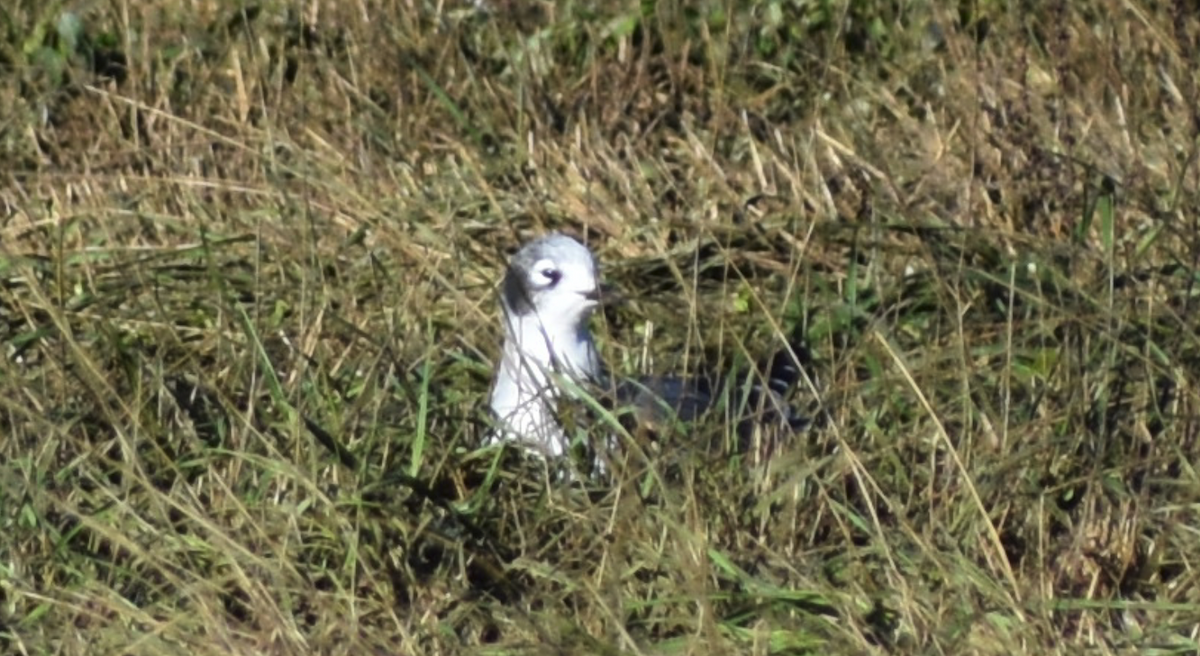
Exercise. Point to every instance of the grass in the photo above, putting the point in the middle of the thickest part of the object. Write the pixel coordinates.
(248, 259)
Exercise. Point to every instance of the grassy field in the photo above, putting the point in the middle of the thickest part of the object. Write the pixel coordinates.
(248, 263)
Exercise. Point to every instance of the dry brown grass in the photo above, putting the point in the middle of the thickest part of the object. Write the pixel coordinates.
(247, 260)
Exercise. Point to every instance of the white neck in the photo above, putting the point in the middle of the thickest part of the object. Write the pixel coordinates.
(524, 394)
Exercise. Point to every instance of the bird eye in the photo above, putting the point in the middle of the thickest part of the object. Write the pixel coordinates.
(551, 275)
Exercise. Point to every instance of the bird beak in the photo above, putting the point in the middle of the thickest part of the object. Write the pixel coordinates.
(608, 294)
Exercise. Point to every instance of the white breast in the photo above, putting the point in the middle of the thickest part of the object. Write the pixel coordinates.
(524, 394)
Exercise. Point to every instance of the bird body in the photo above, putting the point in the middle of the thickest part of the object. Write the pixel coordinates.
(549, 292)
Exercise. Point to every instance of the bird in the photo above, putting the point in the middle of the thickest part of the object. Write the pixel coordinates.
(550, 289)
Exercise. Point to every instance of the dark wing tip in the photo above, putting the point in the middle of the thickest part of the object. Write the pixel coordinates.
(785, 366)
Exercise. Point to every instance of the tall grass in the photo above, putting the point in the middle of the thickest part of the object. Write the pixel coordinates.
(248, 258)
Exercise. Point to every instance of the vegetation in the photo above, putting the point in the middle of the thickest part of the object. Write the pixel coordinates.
(248, 258)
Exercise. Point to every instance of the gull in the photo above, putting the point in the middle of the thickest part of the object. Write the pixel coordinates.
(549, 292)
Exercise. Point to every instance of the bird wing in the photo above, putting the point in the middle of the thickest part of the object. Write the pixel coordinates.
(750, 397)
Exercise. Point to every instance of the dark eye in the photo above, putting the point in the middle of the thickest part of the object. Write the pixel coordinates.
(551, 276)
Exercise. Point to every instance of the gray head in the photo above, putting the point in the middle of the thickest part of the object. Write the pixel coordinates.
(553, 278)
